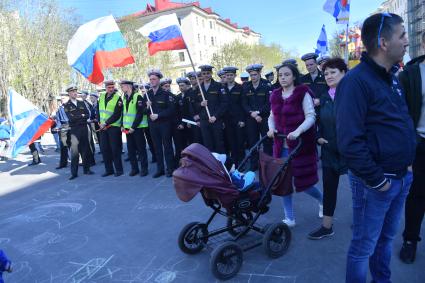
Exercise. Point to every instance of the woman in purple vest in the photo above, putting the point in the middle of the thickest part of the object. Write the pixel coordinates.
(292, 113)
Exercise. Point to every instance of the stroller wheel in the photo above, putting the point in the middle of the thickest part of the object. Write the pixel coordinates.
(191, 239)
(226, 260)
(247, 216)
(276, 240)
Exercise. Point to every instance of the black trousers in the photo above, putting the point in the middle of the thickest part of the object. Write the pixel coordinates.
(34, 153)
(330, 178)
(136, 144)
(179, 144)
(79, 145)
(161, 133)
(148, 138)
(415, 203)
(111, 146)
(212, 135)
(255, 131)
(235, 140)
(64, 142)
(92, 161)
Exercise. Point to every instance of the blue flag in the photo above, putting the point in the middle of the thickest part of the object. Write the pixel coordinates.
(322, 43)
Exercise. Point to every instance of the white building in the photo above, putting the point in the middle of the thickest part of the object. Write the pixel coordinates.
(398, 7)
(205, 32)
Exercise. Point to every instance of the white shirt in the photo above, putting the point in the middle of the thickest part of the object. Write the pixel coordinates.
(309, 114)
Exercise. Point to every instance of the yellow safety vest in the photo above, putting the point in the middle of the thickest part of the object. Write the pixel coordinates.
(106, 111)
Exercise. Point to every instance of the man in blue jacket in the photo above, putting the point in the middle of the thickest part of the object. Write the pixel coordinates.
(376, 137)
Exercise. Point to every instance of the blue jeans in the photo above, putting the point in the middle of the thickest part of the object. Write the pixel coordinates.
(287, 200)
(376, 218)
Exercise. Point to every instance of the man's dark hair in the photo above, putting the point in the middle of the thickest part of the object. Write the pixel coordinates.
(294, 71)
(371, 27)
(335, 63)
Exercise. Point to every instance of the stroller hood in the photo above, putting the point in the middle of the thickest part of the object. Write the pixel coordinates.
(200, 170)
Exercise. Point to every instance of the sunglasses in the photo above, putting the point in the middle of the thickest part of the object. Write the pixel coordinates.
(383, 17)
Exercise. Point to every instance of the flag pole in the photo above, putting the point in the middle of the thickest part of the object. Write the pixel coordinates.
(196, 76)
(144, 87)
(346, 45)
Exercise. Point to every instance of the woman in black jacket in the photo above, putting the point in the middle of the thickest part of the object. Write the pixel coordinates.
(332, 164)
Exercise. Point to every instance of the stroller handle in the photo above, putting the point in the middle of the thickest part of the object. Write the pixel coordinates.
(262, 140)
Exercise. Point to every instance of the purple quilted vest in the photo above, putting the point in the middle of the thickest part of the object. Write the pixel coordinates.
(288, 115)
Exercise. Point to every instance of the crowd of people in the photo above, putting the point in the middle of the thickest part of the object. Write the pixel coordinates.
(366, 123)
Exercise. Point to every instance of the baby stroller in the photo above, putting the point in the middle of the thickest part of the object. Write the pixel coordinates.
(201, 172)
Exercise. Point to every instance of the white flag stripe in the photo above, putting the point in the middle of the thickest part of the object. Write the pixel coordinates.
(159, 23)
(87, 34)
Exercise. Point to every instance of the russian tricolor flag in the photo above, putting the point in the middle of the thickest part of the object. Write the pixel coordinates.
(28, 123)
(97, 45)
(164, 33)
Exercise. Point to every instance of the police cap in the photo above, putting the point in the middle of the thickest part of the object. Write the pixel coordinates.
(323, 59)
(109, 82)
(71, 88)
(220, 73)
(254, 67)
(126, 82)
(182, 80)
(230, 69)
(309, 56)
(289, 61)
(206, 68)
(165, 81)
(191, 74)
(269, 73)
(155, 72)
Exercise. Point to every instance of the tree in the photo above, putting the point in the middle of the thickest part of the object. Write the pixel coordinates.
(33, 50)
(240, 55)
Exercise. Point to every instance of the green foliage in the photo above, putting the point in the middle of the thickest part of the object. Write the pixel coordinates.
(240, 55)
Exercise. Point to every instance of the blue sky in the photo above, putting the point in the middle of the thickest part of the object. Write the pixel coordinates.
(295, 24)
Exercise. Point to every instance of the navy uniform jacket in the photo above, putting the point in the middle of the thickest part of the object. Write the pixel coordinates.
(257, 99)
(77, 115)
(162, 104)
(217, 101)
(318, 86)
(188, 100)
(235, 110)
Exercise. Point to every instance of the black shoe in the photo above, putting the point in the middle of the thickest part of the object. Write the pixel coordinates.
(117, 174)
(321, 233)
(158, 174)
(73, 177)
(408, 252)
(144, 173)
(34, 163)
(106, 174)
(61, 166)
(133, 173)
(169, 174)
(89, 172)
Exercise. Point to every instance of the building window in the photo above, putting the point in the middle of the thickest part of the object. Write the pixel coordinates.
(200, 55)
(199, 38)
(197, 21)
(211, 25)
(212, 40)
(181, 56)
(203, 23)
(205, 39)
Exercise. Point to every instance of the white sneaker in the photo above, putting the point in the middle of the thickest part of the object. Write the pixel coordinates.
(289, 222)
(320, 211)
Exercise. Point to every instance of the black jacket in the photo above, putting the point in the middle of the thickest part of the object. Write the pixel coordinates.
(217, 101)
(235, 111)
(162, 104)
(318, 86)
(77, 115)
(327, 129)
(375, 133)
(257, 99)
(411, 82)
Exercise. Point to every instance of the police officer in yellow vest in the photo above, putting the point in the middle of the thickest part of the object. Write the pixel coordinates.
(110, 119)
(133, 122)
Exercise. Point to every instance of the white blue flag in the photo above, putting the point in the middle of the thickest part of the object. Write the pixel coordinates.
(339, 9)
(322, 43)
